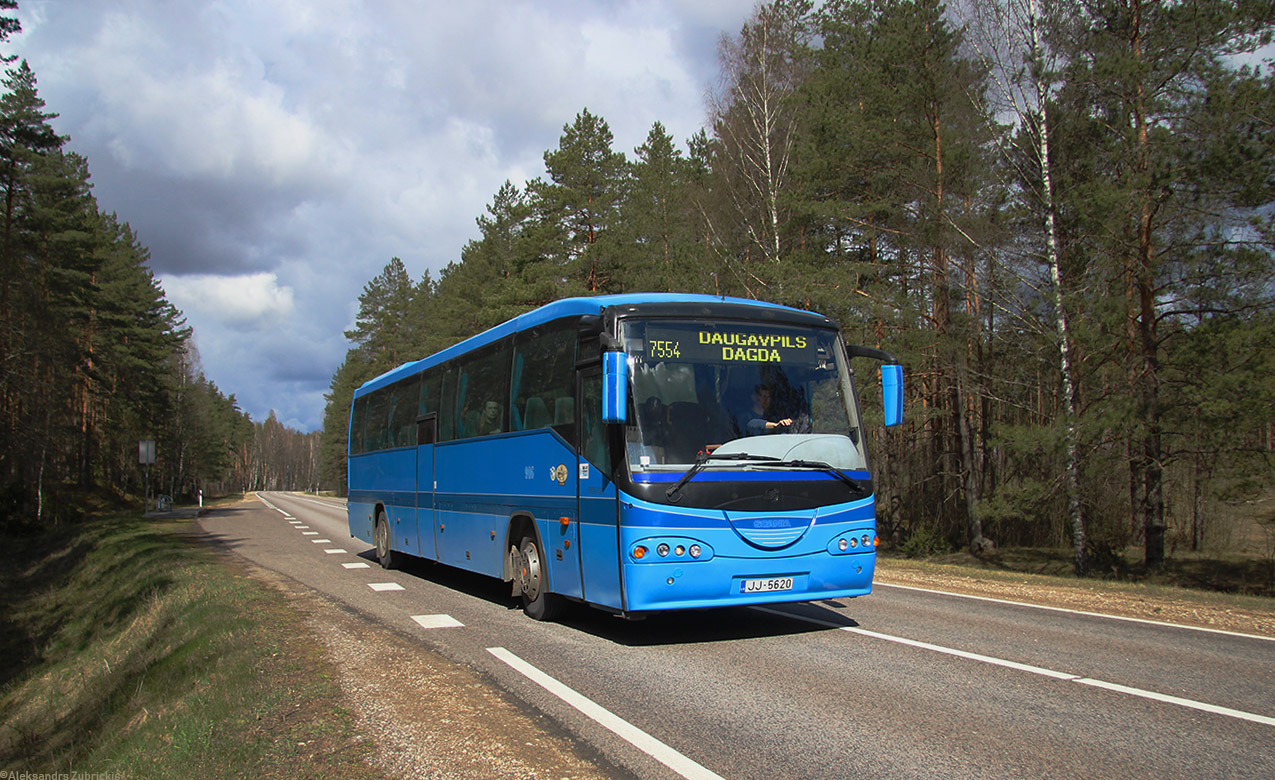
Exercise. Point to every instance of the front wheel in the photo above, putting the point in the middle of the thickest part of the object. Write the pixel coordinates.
(537, 601)
(381, 535)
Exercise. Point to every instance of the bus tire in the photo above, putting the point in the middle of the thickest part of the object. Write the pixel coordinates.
(537, 601)
(381, 535)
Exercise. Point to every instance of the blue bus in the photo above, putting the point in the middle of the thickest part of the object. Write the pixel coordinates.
(636, 453)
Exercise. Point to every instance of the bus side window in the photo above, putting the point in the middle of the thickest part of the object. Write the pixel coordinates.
(402, 420)
(376, 436)
(483, 392)
(431, 385)
(546, 355)
(447, 407)
(358, 422)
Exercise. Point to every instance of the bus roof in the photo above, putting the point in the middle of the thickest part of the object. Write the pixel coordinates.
(565, 307)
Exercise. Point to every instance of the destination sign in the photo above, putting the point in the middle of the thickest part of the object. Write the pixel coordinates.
(732, 344)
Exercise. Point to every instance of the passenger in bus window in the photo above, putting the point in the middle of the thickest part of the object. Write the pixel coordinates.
(490, 420)
(759, 419)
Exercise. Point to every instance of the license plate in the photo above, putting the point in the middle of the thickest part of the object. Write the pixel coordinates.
(765, 585)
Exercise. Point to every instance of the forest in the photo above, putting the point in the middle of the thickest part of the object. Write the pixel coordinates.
(1060, 215)
(93, 358)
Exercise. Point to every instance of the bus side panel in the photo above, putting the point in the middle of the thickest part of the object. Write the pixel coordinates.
(393, 472)
(360, 504)
(483, 482)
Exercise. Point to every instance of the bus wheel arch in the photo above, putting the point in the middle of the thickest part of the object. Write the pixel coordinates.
(528, 570)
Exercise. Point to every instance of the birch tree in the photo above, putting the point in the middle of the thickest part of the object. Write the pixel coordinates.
(754, 118)
(1008, 36)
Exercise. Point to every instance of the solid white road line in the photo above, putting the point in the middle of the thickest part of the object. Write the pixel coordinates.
(987, 659)
(648, 744)
(1038, 670)
(1193, 704)
(1076, 611)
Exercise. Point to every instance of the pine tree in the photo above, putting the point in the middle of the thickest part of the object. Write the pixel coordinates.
(384, 330)
(654, 242)
(891, 168)
(576, 208)
(1146, 115)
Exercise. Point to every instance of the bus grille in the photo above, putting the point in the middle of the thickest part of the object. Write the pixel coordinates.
(770, 533)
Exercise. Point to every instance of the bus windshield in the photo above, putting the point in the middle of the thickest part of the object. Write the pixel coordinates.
(782, 393)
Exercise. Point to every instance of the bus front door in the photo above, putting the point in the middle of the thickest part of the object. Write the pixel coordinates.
(598, 549)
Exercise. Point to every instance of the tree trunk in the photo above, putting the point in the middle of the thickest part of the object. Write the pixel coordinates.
(1071, 465)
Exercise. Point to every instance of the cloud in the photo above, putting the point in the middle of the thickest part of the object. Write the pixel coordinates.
(249, 303)
(274, 156)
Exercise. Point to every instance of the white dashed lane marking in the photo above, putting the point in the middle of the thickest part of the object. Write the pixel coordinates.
(437, 621)
(382, 586)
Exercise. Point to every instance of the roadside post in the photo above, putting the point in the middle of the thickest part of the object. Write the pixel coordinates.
(146, 457)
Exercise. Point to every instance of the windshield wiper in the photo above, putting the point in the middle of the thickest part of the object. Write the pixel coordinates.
(856, 484)
(702, 461)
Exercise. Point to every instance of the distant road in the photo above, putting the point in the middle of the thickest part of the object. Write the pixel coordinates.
(900, 684)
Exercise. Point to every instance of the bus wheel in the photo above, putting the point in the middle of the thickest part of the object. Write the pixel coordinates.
(381, 534)
(537, 601)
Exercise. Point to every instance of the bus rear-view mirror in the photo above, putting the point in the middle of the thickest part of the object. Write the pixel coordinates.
(892, 393)
(615, 387)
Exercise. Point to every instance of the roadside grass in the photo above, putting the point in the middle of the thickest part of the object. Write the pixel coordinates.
(1045, 577)
(1245, 574)
(126, 647)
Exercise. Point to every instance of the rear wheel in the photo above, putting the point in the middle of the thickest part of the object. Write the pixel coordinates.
(529, 573)
(381, 535)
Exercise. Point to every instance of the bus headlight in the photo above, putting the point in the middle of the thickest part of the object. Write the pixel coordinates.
(668, 550)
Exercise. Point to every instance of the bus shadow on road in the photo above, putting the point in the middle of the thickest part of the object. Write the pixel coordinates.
(476, 585)
(724, 624)
(702, 626)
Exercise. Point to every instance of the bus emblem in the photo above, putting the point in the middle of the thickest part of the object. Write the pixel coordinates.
(560, 473)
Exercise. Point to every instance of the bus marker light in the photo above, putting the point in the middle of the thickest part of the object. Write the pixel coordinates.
(670, 580)
(564, 521)
(639, 552)
(876, 541)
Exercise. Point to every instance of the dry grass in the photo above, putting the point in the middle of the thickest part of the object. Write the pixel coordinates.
(130, 649)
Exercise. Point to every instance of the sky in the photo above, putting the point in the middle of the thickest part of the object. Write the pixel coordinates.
(273, 155)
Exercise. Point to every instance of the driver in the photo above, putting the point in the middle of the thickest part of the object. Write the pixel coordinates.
(759, 421)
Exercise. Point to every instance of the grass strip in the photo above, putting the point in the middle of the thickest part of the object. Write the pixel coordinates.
(127, 648)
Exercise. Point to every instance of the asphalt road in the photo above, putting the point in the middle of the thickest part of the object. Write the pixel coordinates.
(900, 684)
